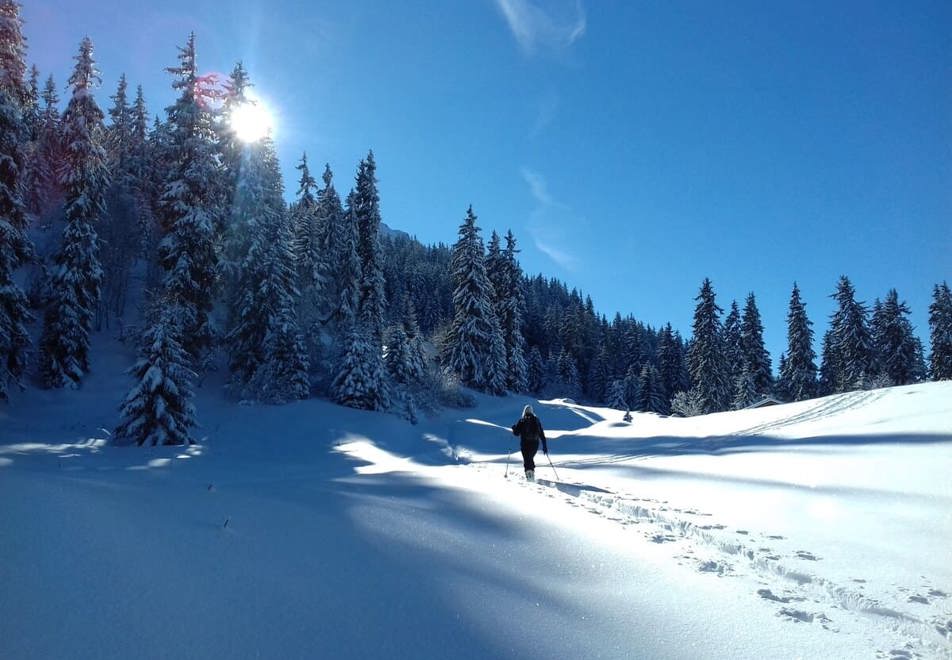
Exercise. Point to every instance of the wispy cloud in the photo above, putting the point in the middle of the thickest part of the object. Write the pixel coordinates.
(535, 27)
(537, 186)
(548, 220)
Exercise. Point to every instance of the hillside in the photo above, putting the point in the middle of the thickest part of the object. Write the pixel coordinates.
(815, 529)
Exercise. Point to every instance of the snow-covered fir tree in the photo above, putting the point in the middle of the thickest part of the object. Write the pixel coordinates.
(12, 57)
(348, 268)
(328, 220)
(415, 344)
(119, 134)
(599, 376)
(282, 375)
(512, 320)
(189, 207)
(266, 353)
(471, 340)
(706, 357)
(651, 393)
(826, 381)
(158, 409)
(230, 145)
(940, 333)
(798, 372)
(31, 109)
(566, 382)
(74, 286)
(745, 389)
(535, 371)
(852, 345)
(359, 381)
(361, 376)
(756, 359)
(365, 205)
(44, 171)
(897, 348)
(616, 395)
(632, 382)
(139, 154)
(15, 247)
(733, 349)
(397, 356)
(303, 214)
(497, 272)
(671, 367)
(118, 229)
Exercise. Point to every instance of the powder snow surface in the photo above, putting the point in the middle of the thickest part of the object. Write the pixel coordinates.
(818, 529)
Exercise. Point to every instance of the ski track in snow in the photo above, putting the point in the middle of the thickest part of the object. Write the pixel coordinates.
(824, 408)
(782, 574)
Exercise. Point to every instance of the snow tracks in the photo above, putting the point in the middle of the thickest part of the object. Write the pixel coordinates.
(916, 620)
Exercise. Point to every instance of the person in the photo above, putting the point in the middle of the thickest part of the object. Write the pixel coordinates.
(529, 430)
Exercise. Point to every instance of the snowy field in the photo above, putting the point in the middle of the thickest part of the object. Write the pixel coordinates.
(819, 529)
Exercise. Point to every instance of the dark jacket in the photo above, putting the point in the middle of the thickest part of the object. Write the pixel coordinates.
(529, 429)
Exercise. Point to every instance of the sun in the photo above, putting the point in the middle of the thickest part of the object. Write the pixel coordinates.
(251, 121)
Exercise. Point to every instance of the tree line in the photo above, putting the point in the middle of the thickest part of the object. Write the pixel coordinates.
(313, 298)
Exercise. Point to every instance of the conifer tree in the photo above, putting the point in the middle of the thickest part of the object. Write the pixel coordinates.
(397, 356)
(305, 227)
(190, 208)
(119, 134)
(12, 58)
(756, 359)
(415, 347)
(745, 390)
(940, 333)
(231, 147)
(474, 322)
(896, 345)
(158, 408)
(616, 395)
(348, 264)
(358, 383)
(829, 366)
(366, 208)
(75, 282)
(512, 321)
(706, 357)
(31, 109)
(328, 219)
(632, 382)
(267, 358)
(798, 371)
(651, 394)
(733, 349)
(44, 171)
(281, 376)
(598, 379)
(15, 247)
(566, 382)
(852, 343)
(535, 371)
(139, 154)
(671, 368)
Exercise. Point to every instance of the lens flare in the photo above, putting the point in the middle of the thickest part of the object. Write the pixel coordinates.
(251, 121)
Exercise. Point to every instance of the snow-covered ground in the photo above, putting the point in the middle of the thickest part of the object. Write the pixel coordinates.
(818, 529)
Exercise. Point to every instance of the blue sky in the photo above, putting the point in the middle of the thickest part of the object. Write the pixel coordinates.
(634, 148)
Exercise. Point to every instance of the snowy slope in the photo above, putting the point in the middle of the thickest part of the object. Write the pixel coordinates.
(818, 529)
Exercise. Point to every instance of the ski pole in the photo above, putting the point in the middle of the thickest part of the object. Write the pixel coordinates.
(553, 467)
(508, 460)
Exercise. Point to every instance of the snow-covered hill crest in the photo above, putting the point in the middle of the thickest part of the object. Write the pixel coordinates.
(813, 529)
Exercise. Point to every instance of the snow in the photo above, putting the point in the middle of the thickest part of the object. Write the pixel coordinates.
(814, 529)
